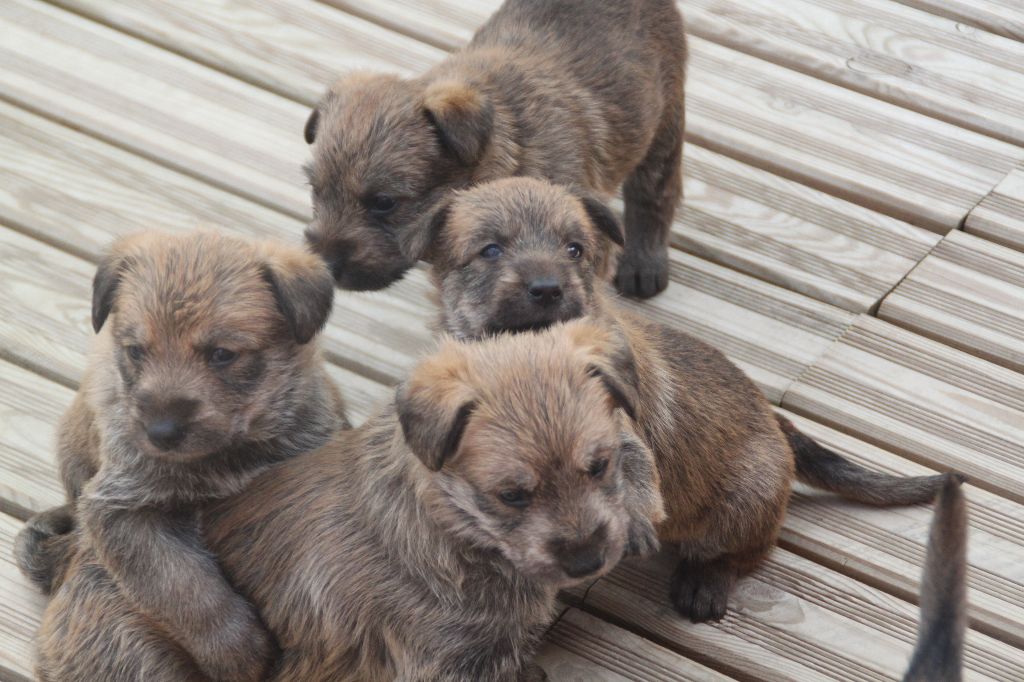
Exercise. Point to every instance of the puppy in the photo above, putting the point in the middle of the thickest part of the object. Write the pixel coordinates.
(203, 376)
(427, 544)
(583, 93)
(522, 253)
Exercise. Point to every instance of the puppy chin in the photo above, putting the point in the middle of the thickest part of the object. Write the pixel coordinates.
(508, 319)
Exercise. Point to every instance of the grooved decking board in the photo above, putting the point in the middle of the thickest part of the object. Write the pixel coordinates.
(1003, 17)
(791, 619)
(581, 648)
(885, 547)
(1000, 215)
(968, 293)
(911, 58)
(927, 401)
(293, 47)
(882, 156)
(78, 194)
(20, 610)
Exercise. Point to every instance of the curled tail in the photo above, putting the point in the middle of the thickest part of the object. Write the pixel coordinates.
(822, 468)
(938, 656)
(45, 546)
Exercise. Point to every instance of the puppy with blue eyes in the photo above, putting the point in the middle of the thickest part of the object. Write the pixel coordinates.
(522, 254)
(203, 375)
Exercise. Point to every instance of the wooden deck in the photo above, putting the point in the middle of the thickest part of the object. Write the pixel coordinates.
(852, 236)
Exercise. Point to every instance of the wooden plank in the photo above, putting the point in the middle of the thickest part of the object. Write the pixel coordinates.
(1002, 17)
(791, 619)
(20, 611)
(885, 547)
(879, 155)
(968, 293)
(581, 648)
(1000, 215)
(792, 235)
(917, 60)
(292, 47)
(929, 402)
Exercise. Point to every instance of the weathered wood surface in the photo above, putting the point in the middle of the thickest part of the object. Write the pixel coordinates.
(920, 398)
(1002, 17)
(917, 60)
(968, 293)
(1000, 215)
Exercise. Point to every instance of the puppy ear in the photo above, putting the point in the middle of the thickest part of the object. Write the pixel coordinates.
(434, 405)
(303, 288)
(623, 394)
(104, 288)
(438, 221)
(609, 358)
(311, 125)
(463, 116)
(604, 220)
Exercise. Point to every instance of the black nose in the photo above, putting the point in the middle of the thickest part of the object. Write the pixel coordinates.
(583, 563)
(166, 432)
(545, 291)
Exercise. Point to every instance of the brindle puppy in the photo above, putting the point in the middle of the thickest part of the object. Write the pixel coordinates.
(427, 544)
(584, 93)
(523, 253)
(203, 376)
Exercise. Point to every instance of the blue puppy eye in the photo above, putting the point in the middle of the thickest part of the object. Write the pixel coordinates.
(491, 251)
(222, 356)
(515, 498)
(136, 353)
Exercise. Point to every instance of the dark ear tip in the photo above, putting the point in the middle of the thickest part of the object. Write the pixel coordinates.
(309, 132)
(604, 220)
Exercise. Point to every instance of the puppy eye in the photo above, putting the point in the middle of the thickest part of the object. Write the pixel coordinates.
(575, 250)
(219, 357)
(381, 204)
(515, 498)
(135, 352)
(598, 467)
(491, 251)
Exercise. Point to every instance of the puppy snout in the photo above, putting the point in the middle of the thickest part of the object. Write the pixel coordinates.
(545, 291)
(167, 422)
(581, 558)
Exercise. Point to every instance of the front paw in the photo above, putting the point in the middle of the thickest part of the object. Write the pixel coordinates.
(238, 649)
(642, 272)
(641, 538)
(44, 546)
(533, 673)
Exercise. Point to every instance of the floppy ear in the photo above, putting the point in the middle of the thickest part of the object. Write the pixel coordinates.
(311, 125)
(104, 287)
(435, 228)
(623, 394)
(609, 358)
(604, 220)
(434, 405)
(463, 116)
(303, 288)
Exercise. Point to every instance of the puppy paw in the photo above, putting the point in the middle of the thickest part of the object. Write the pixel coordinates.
(642, 273)
(641, 538)
(700, 591)
(532, 673)
(44, 546)
(238, 649)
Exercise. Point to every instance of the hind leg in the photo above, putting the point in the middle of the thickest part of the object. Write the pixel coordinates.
(651, 194)
(700, 588)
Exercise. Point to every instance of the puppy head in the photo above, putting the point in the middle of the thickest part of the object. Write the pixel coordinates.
(520, 253)
(385, 150)
(210, 336)
(530, 443)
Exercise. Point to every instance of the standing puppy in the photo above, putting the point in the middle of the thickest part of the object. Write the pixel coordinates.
(429, 543)
(588, 94)
(521, 254)
(203, 375)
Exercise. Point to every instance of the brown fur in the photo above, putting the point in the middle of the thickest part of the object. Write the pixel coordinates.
(390, 553)
(582, 93)
(165, 424)
(725, 464)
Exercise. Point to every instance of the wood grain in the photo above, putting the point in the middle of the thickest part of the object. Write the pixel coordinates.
(927, 401)
(791, 620)
(968, 293)
(1000, 215)
(20, 610)
(582, 648)
(885, 547)
(917, 60)
(1002, 17)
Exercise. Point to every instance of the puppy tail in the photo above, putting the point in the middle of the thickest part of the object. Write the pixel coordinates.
(938, 656)
(822, 468)
(45, 546)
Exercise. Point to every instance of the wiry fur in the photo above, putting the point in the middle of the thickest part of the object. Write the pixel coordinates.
(376, 558)
(938, 656)
(138, 502)
(725, 464)
(585, 94)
